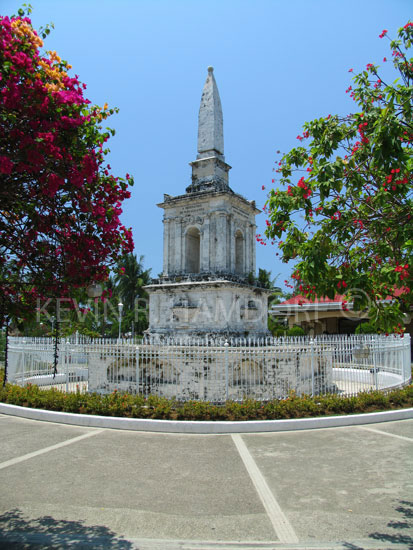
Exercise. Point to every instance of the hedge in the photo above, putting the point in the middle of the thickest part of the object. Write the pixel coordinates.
(136, 406)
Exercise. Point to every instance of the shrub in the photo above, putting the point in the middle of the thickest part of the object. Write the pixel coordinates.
(136, 406)
(295, 331)
(365, 328)
(277, 329)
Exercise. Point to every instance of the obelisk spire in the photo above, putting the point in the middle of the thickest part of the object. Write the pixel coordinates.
(209, 170)
(210, 121)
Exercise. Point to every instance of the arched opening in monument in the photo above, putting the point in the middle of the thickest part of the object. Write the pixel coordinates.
(239, 253)
(192, 250)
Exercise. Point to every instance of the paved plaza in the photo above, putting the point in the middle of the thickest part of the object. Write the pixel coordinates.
(75, 487)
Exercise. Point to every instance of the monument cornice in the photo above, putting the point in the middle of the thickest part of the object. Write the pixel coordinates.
(189, 285)
(170, 201)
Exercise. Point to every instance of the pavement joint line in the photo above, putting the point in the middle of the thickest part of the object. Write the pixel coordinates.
(282, 527)
(22, 458)
(403, 437)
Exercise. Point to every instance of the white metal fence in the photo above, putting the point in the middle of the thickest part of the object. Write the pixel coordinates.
(215, 369)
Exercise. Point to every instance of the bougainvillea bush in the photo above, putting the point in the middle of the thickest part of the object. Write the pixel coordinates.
(59, 203)
(343, 207)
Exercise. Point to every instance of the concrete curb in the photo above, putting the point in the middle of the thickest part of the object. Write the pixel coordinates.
(204, 427)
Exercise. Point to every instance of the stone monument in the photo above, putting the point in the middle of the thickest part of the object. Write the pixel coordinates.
(208, 285)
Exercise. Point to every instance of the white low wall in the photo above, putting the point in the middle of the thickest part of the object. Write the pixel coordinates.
(217, 370)
(375, 379)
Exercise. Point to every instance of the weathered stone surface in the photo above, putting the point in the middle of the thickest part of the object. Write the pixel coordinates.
(208, 308)
(215, 372)
(210, 120)
(220, 218)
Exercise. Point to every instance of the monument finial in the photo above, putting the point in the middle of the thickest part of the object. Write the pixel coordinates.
(210, 120)
(209, 170)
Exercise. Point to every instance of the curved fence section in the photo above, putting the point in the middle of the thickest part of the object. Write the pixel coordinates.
(215, 369)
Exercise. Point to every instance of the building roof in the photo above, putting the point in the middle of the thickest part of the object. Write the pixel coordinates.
(300, 299)
(322, 304)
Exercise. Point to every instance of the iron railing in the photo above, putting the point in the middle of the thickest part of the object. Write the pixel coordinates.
(215, 369)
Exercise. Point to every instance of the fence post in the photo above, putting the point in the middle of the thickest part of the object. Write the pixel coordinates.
(312, 365)
(6, 352)
(375, 378)
(226, 369)
(406, 358)
(137, 370)
(23, 366)
(66, 363)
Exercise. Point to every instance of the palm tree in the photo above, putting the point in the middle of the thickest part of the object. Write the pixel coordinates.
(264, 277)
(129, 280)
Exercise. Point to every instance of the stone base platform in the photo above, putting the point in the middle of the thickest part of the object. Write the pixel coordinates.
(212, 308)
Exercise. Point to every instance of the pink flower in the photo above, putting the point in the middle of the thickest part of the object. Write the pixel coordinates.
(53, 184)
(6, 165)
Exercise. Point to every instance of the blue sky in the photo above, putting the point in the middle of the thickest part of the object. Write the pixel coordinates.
(277, 64)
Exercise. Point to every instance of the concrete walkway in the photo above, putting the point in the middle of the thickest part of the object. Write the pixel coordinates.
(78, 487)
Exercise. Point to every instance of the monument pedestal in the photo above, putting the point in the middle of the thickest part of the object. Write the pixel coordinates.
(207, 309)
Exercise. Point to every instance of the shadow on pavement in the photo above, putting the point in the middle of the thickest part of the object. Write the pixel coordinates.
(18, 532)
(405, 508)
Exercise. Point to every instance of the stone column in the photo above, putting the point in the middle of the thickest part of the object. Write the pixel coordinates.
(205, 260)
(231, 250)
(179, 264)
(213, 221)
(252, 245)
(166, 245)
(247, 248)
(221, 243)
